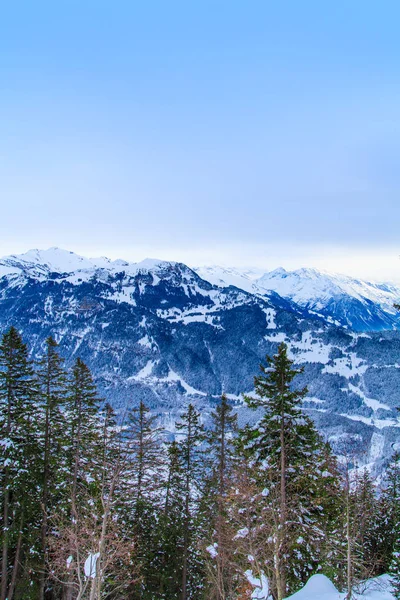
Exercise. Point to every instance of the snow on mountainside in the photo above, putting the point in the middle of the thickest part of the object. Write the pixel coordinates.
(311, 287)
(224, 276)
(56, 260)
(156, 330)
(360, 305)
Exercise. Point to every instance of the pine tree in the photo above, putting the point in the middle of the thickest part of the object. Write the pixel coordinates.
(329, 496)
(290, 458)
(220, 441)
(366, 518)
(143, 440)
(52, 380)
(388, 513)
(84, 457)
(114, 567)
(143, 492)
(83, 409)
(190, 455)
(170, 530)
(19, 453)
(394, 570)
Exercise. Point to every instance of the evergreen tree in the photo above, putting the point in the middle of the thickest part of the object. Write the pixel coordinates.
(19, 457)
(220, 440)
(52, 380)
(170, 530)
(290, 458)
(191, 456)
(111, 546)
(365, 523)
(84, 456)
(143, 493)
(394, 570)
(388, 513)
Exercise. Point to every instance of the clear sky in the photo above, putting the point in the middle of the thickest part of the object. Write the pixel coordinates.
(258, 133)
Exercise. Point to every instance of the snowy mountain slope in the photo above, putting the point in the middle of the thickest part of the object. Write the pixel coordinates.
(157, 331)
(224, 277)
(357, 304)
(37, 263)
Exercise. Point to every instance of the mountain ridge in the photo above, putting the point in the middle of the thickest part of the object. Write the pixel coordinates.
(157, 331)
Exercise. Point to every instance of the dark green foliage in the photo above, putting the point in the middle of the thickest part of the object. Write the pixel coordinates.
(394, 570)
(165, 517)
(142, 495)
(293, 468)
(171, 528)
(19, 427)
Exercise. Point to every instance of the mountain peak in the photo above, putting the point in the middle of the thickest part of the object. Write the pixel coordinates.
(54, 259)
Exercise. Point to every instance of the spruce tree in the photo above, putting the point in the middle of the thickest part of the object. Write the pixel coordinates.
(111, 542)
(366, 519)
(143, 496)
(221, 448)
(52, 380)
(170, 530)
(290, 457)
(190, 454)
(394, 570)
(84, 453)
(388, 519)
(20, 458)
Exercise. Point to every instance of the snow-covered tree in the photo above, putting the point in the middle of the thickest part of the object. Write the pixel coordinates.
(291, 470)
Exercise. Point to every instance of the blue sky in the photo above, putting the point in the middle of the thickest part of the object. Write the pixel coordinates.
(244, 133)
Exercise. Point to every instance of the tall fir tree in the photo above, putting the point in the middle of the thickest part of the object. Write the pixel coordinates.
(388, 525)
(84, 457)
(221, 449)
(143, 497)
(290, 459)
(394, 570)
(191, 455)
(20, 461)
(52, 381)
(170, 530)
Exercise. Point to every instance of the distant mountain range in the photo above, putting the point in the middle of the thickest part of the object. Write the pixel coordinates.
(360, 305)
(168, 334)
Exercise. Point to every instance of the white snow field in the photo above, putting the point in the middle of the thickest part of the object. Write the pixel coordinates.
(320, 587)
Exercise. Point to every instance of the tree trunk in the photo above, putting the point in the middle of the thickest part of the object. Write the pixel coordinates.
(349, 541)
(4, 558)
(74, 488)
(281, 582)
(42, 582)
(6, 507)
(187, 513)
(221, 549)
(13, 582)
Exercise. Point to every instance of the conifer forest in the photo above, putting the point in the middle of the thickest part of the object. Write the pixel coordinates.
(97, 504)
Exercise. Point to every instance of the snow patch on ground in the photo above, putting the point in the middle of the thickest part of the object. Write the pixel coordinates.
(348, 366)
(319, 587)
(309, 349)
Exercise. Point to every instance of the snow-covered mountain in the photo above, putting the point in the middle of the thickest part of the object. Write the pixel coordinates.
(40, 263)
(159, 332)
(225, 276)
(360, 305)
